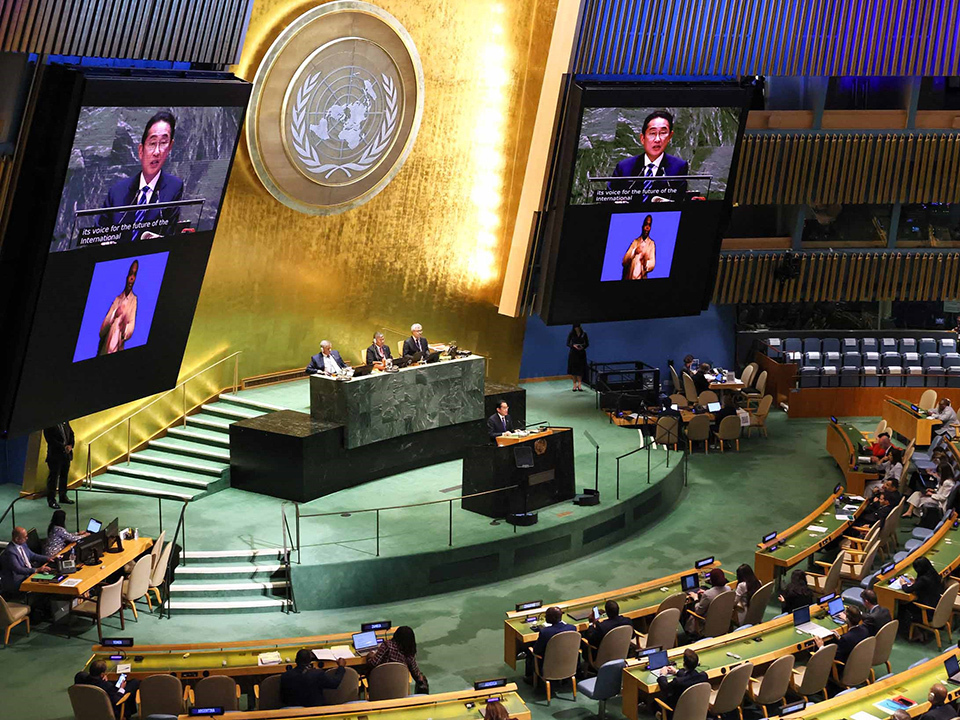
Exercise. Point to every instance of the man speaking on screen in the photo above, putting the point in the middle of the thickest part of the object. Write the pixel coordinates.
(121, 319)
(151, 185)
(653, 163)
(641, 257)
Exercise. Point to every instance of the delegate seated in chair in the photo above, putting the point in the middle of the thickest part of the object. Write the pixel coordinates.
(676, 681)
(97, 676)
(555, 624)
(856, 631)
(940, 709)
(598, 628)
(303, 684)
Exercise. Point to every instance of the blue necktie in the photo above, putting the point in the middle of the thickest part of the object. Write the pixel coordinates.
(141, 214)
(648, 184)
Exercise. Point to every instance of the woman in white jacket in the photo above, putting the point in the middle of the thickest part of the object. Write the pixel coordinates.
(931, 497)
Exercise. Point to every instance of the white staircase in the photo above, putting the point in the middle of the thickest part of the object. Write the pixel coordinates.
(218, 581)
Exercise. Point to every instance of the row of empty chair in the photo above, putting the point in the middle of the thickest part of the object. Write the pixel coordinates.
(863, 345)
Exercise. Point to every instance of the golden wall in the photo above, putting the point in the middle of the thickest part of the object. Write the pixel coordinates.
(431, 248)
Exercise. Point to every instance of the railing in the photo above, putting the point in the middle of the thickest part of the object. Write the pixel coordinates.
(165, 410)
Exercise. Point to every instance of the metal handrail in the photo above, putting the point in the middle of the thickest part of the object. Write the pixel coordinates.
(168, 578)
(411, 505)
(628, 454)
(181, 386)
(10, 508)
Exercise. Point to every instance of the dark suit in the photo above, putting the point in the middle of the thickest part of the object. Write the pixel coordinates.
(305, 686)
(848, 641)
(634, 167)
(373, 353)
(58, 458)
(14, 570)
(876, 618)
(316, 362)
(411, 346)
(595, 633)
(721, 414)
(700, 382)
(673, 688)
(940, 712)
(112, 691)
(540, 645)
(126, 191)
(495, 425)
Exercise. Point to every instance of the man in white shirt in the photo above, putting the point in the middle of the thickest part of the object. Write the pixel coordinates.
(948, 417)
(326, 361)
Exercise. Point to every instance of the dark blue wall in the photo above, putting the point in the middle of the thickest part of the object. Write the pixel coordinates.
(708, 336)
(13, 459)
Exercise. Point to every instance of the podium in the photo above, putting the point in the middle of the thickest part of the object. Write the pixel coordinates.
(494, 466)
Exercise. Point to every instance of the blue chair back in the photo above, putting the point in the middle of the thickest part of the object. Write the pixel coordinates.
(609, 679)
(830, 345)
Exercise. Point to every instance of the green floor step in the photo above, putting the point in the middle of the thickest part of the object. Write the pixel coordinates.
(209, 421)
(155, 473)
(231, 411)
(172, 459)
(112, 481)
(249, 402)
(203, 436)
(177, 445)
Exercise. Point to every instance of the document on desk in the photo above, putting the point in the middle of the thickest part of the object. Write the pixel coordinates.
(816, 630)
(842, 518)
(269, 658)
(817, 528)
(863, 716)
(71, 582)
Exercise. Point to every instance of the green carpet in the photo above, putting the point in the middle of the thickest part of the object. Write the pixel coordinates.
(732, 500)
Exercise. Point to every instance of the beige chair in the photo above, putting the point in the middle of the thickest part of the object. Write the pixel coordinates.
(678, 601)
(693, 704)
(928, 399)
(938, 618)
(729, 431)
(856, 670)
(707, 397)
(159, 574)
(758, 420)
(347, 691)
(216, 691)
(884, 646)
(698, 430)
(92, 703)
(157, 549)
(138, 585)
(758, 604)
(729, 696)
(906, 471)
(748, 374)
(829, 582)
(857, 564)
(663, 630)
(268, 695)
(559, 661)
(754, 395)
(813, 677)
(719, 615)
(388, 681)
(160, 695)
(888, 531)
(772, 686)
(615, 645)
(668, 431)
(689, 389)
(678, 400)
(675, 381)
(872, 437)
(11, 615)
(108, 603)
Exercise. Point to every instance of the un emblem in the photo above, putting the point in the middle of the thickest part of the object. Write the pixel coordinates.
(336, 106)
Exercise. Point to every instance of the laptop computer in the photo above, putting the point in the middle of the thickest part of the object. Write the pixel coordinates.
(835, 607)
(365, 641)
(94, 526)
(361, 370)
(952, 666)
(713, 407)
(582, 614)
(657, 662)
(689, 583)
(801, 620)
(433, 357)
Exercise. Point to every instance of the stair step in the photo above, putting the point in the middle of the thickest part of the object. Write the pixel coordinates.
(164, 475)
(247, 586)
(218, 606)
(174, 460)
(248, 569)
(214, 555)
(250, 402)
(233, 412)
(109, 481)
(210, 422)
(204, 436)
(193, 449)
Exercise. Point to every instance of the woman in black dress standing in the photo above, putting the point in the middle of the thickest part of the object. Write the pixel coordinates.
(578, 342)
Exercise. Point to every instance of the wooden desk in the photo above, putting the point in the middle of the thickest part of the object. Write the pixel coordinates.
(796, 543)
(92, 575)
(913, 683)
(237, 659)
(651, 418)
(636, 601)
(907, 422)
(504, 440)
(942, 549)
(442, 706)
(776, 638)
(843, 444)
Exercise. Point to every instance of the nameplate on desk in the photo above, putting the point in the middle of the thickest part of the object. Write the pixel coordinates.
(703, 563)
(532, 605)
(541, 477)
(488, 684)
(117, 642)
(374, 626)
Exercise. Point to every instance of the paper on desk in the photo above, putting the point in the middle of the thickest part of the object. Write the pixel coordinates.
(842, 518)
(863, 716)
(816, 630)
(325, 654)
(888, 706)
(851, 508)
(896, 585)
(71, 582)
(816, 528)
(269, 658)
(342, 651)
(855, 497)
(124, 667)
